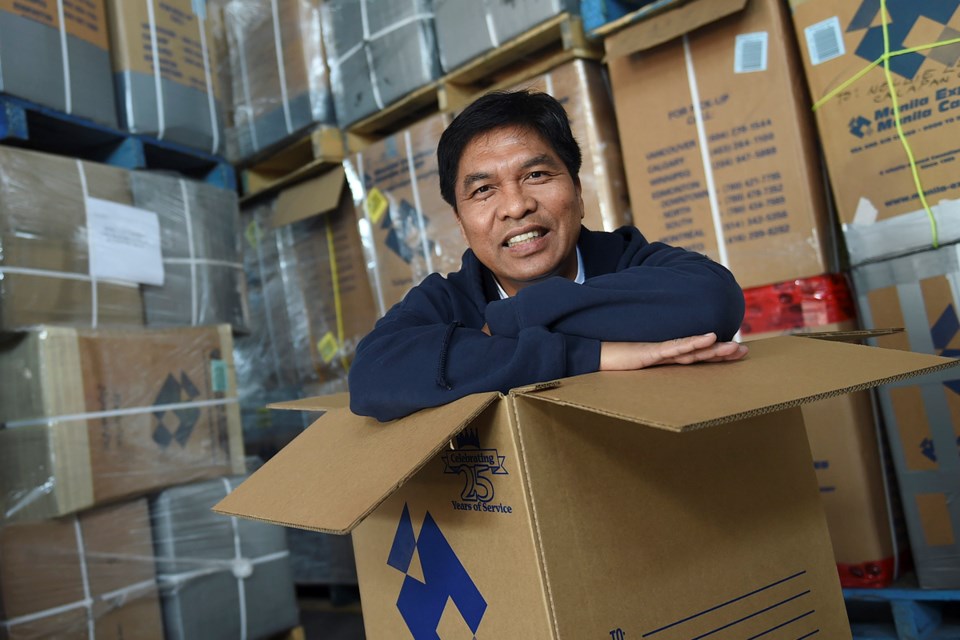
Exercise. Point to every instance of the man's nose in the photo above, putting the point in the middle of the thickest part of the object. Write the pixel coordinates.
(516, 202)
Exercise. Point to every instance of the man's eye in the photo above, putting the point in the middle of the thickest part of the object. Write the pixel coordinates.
(537, 175)
(482, 189)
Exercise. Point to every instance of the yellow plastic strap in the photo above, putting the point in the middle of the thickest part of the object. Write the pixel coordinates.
(337, 303)
(885, 61)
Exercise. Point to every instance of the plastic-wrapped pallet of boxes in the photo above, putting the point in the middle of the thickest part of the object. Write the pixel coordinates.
(179, 235)
(46, 274)
(466, 28)
(310, 299)
(280, 83)
(377, 52)
(724, 161)
(200, 241)
(87, 576)
(878, 201)
(220, 578)
(92, 416)
(922, 416)
(165, 71)
(849, 453)
(58, 59)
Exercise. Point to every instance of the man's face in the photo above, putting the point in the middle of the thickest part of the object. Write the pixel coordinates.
(518, 207)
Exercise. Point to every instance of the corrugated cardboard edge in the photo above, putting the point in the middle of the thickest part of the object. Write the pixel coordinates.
(514, 418)
(667, 25)
(852, 335)
(421, 462)
(735, 417)
(315, 403)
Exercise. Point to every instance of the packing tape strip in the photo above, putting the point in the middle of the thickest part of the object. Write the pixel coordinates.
(210, 567)
(187, 214)
(374, 83)
(84, 574)
(65, 275)
(130, 411)
(238, 556)
(267, 305)
(204, 261)
(245, 82)
(157, 80)
(122, 593)
(337, 301)
(278, 47)
(415, 187)
(208, 78)
(491, 25)
(94, 302)
(65, 55)
(367, 230)
(704, 145)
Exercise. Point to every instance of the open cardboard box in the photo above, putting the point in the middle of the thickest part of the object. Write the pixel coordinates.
(668, 503)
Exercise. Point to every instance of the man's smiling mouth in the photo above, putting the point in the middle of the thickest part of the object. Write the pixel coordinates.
(523, 237)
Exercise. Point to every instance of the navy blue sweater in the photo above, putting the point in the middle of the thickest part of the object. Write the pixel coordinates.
(430, 349)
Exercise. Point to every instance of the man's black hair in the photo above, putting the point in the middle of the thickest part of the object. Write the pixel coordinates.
(536, 111)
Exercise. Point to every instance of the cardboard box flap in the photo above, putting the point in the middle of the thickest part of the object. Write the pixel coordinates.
(308, 199)
(343, 466)
(682, 398)
(316, 403)
(668, 25)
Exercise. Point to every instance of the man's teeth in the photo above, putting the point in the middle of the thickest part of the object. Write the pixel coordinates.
(523, 237)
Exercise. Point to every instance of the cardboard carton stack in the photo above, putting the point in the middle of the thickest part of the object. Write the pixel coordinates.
(850, 453)
(58, 59)
(165, 71)
(724, 160)
(886, 142)
(280, 83)
(378, 52)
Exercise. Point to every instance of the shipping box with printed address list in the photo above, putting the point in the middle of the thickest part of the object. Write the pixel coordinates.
(669, 503)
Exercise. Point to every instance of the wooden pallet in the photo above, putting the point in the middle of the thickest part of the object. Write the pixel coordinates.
(395, 116)
(314, 153)
(903, 612)
(33, 126)
(530, 54)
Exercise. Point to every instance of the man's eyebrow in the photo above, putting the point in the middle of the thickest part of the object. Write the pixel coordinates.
(542, 159)
(472, 178)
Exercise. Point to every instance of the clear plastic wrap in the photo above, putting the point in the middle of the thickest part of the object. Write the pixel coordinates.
(581, 87)
(220, 577)
(309, 307)
(177, 98)
(45, 271)
(377, 52)
(408, 231)
(467, 28)
(280, 83)
(93, 416)
(200, 241)
(167, 567)
(38, 41)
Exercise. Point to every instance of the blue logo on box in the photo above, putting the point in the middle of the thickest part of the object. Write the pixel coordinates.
(476, 465)
(421, 604)
(903, 16)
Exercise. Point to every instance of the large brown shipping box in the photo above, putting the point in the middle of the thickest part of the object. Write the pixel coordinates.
(679, 499)
(91, 576)
(876, 197)
(45, 258)
(718, 142)
(94, 416)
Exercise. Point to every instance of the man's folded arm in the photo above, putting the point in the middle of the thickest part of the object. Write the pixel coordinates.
(406, 365)
(672, 293)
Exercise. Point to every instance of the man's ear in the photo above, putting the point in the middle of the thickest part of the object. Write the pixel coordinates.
(579, 188)
(460, 224)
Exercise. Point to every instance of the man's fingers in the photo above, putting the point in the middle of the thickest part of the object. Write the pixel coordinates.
(719, 352)
(680, 346)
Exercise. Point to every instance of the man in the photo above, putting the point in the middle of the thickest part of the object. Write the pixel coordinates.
(538, 297)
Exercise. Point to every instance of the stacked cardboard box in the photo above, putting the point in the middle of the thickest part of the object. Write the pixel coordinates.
(877, 199)
(89, 576)
(378, 52)
(280, 83)
(919, 293)
(164, 70)
(849, 452)
(724, 160)
(94, 416)
(220, 578)
(467, 29)
(58, 59)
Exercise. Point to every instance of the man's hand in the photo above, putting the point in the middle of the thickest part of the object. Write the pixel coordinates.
(628, 356)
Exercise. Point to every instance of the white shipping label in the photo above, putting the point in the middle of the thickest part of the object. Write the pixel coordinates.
(824, 40)
(750, 52)
(124, 242)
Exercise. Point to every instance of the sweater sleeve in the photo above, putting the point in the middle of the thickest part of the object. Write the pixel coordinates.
(420, 356)
(663, 293)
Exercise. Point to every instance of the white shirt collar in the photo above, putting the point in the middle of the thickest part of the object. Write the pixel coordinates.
(579, 279)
